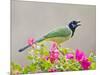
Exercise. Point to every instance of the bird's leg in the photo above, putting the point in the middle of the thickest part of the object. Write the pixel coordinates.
(58, 46)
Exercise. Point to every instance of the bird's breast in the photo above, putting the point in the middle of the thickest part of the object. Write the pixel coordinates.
(59, 40)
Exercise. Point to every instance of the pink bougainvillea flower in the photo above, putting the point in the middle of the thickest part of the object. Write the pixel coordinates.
(53, 56)
(69, 56)
(30, 41)
(80, 55)
(82, 58)
(52, 70)
(53, 46)
(54, 52)
(85, 63)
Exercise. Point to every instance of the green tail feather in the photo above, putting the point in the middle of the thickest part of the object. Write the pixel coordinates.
(37, 41)
(40, 40)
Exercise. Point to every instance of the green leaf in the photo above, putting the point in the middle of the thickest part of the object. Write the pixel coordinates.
(93, 66)
(16, 66)
(32, 67)
(30, 57)
(45, 65)
(63, 51)
(25, 70)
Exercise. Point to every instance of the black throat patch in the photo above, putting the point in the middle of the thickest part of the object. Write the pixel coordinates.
(73, 30)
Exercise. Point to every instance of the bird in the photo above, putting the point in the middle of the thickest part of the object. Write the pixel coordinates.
(58, 35)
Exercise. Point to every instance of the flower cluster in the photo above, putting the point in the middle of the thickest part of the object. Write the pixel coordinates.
(54, 53)
(54, 59)
(81, 58)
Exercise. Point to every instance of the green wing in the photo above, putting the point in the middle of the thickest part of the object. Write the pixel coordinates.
(58, 35)
(60, 32)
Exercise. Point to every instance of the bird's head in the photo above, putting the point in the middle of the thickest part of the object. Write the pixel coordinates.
(74, 24)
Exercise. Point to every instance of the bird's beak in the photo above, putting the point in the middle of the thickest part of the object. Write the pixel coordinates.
(78, 23)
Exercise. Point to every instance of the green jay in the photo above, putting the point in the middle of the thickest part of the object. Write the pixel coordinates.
(59, 35)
